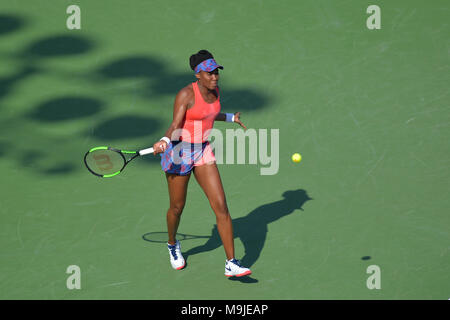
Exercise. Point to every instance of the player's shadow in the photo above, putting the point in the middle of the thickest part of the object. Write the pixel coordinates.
(252, 229)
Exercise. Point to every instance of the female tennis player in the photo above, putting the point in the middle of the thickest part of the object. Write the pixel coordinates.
(187, 150)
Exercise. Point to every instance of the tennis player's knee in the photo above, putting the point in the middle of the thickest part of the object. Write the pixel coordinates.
(176, 208)
(220, 208)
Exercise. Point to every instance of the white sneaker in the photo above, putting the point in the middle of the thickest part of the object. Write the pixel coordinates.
(176, 259)
(234, 268)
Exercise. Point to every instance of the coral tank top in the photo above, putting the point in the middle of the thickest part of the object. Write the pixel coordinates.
(199, 119)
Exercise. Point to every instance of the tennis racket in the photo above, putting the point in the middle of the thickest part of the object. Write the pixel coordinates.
(106, 162)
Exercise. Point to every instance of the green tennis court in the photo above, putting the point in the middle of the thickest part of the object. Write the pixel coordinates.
(368, 110)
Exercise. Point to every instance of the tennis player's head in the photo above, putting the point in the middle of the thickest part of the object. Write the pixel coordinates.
(206, 68)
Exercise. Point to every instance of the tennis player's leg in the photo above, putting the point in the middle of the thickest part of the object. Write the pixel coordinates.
(177, 194)
(207, 176)
(209, 180)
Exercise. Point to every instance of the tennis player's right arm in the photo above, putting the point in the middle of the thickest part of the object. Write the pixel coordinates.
(182, 101)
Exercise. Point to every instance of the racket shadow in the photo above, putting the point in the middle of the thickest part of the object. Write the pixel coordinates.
(161, 237)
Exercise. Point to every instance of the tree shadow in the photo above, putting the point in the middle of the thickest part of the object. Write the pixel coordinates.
(168, 84)
(160, 81)
(157, 79)
(7, 83)
(41, 162)
(31, 158)
(9, 23)
(66, 108)
(125, 127)
(3, 147)
(63, 168)
(133, 67)
(50, 47)
(58, 46)
(244, 100)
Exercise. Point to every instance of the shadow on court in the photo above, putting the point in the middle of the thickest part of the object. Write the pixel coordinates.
(142, 78)
(10, 23)
(31, 59)
(161, 81)
(66, 109)
(252, 229)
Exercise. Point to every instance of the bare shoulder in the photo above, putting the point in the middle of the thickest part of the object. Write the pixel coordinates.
(186, 94)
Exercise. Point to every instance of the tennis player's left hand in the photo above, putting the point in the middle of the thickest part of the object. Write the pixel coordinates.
(237, 119)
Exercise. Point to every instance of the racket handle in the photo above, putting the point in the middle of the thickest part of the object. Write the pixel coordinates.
(145, 151)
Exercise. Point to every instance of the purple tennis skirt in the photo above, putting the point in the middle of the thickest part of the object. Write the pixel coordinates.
(181, 157)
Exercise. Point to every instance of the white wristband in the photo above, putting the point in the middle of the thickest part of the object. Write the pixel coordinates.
(167, 140)
(230, 117)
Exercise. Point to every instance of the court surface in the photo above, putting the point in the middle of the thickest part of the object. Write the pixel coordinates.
(368, 110)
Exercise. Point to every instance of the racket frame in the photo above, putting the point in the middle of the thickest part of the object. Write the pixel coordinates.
(122, 154)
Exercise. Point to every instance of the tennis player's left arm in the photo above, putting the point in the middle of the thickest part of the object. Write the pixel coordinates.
(237, 118)
(221, 117)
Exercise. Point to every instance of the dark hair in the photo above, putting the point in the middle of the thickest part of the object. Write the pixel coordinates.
(199, 57)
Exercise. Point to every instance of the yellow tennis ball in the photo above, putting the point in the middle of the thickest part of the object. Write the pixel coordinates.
(296, 157)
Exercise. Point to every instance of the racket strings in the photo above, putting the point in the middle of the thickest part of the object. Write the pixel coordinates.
(105, 162)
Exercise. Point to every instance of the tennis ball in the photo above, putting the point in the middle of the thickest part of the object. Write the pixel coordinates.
(296, 157)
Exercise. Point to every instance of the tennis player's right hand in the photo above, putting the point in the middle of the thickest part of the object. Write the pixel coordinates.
(159, 147)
